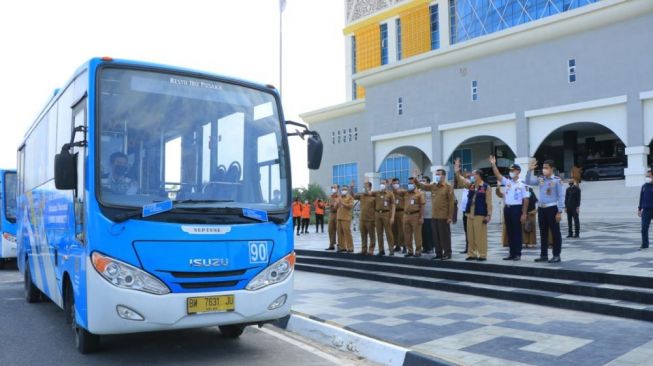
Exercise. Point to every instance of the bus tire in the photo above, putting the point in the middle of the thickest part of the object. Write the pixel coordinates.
(85, 341)
(232, 331)
(32, 293)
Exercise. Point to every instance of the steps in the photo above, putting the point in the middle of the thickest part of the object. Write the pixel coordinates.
(601, 293)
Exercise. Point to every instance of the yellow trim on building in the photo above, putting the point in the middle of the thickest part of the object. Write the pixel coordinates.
(383, 15)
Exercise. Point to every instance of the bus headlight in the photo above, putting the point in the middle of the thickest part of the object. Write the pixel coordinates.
(123, 275)
(275, 273)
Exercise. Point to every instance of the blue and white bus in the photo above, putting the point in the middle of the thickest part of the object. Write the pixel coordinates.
(7, 216)
(157, 198)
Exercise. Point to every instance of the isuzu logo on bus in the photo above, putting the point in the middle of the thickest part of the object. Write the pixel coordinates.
(208, 262)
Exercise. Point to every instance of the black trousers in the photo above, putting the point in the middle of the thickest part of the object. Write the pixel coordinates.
(465, 228)
(297, 223)
(572, 217)
(512, 217)
(427, 236)
(547, 221)
(319, 222)
(442, 234)
(305, 223)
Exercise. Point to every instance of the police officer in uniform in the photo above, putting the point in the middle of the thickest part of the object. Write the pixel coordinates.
(515, 208)
(332, 204)
(413, 219)
(645, 208)
(384, 216)
(367, 217)
(345, 208)
(552, 205)
(398, 226)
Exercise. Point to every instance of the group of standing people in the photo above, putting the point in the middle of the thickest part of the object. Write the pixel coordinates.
(301, 214)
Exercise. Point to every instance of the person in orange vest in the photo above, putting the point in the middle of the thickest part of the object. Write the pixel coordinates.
(306, 216)
(319, 215)
(297, 214)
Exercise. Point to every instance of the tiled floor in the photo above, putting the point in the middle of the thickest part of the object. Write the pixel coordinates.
(609, 247)
(474, 330)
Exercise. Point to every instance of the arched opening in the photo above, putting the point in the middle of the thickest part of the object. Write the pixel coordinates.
(593, 147)
(474, 153)
(401, 162)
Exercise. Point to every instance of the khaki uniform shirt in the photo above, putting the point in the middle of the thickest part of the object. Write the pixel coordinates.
(346, 207)
(368, 203)
(442, 199)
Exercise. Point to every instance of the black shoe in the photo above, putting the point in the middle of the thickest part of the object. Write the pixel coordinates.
(481, 259)
(408, 255)
(342, 250)
(397, 249)
(297, 234)
(330, 248)
(643, 248)
(541, 259)
(380, 254)
(570, 236)
(445, 258)
(555, 260)
(518, 258)
(392, 254)
(417, 255)
(437, 257)
(403, 250)
(509, 258)
(463, 252)
(576, 236)
(470, 258)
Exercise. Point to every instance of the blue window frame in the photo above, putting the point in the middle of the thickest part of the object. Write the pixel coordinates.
(354, 92)
(435, 27)
(344, 174)
(398, 27)
(470, 19)
(384, 43)
(396, 166)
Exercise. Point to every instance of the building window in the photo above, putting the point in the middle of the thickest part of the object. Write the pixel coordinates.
(395, 166)
(465, 156)
(400, 106)
(474, 90)
(398, 27)
(384, 43)
(333, 137)
(338, 136)
(354, 92)
(355, 133)
(571, 70)
(435, 27)
(471, 19)
(345, 174)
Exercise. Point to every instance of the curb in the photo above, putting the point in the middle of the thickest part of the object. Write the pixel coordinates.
(346, 340)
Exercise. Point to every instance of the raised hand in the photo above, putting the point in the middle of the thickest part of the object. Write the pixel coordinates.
(456, 165)
(532, 164)
(493, 160)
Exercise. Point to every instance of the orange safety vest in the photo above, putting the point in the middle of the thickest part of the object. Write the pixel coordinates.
(296, 209)
(306, 211)
(319, 208)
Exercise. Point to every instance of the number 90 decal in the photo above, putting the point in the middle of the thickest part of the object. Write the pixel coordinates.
(258, 252)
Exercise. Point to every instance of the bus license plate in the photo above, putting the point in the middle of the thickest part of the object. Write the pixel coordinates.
(197, 305)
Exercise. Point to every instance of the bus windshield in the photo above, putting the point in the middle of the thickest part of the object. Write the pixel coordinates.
(10, 196)
(199, 142)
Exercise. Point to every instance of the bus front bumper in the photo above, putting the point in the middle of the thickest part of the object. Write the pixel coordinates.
(8, 248)
(168, 312)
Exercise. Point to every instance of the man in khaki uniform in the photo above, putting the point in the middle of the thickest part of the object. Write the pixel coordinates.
(384, 207)
(413, 218)
(442, 210)
(345, 208)
(398, 226)
(332, 205)
(367, 216)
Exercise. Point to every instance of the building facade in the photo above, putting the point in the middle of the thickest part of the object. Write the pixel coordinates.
(429, 81)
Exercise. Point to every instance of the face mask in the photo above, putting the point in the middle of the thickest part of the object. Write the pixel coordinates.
(513, 175)
(344, 193)
(382, 186)
(411, 187)
(120, 170)
(306, 202)
(395, 186)
(437, 179)
(472, 179)
(333, 190)
(648, 180)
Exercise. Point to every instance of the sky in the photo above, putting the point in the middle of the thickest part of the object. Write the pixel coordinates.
(43, 42)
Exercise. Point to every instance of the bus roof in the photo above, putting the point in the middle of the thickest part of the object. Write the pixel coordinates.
(94, 62)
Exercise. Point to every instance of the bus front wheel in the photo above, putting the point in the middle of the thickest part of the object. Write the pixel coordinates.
(85, 341)
(232, 331)
(32, 293)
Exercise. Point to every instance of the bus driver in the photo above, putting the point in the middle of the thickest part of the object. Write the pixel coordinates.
(117, 181)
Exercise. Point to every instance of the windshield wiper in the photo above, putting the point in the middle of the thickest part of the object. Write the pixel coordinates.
(202, 201)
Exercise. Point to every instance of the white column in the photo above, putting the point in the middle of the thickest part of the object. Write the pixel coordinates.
(348, 67)
(637, 165)
(523, 164)
(443, 20)
(374, 178)
(392, 40)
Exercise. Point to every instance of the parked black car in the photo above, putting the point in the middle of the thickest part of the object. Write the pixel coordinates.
(604, 168)
(489, 174)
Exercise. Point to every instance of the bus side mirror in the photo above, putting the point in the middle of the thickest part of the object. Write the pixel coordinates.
(314, 149)
(65, 170)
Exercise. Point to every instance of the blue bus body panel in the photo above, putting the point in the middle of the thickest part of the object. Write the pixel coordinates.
(6, 226)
